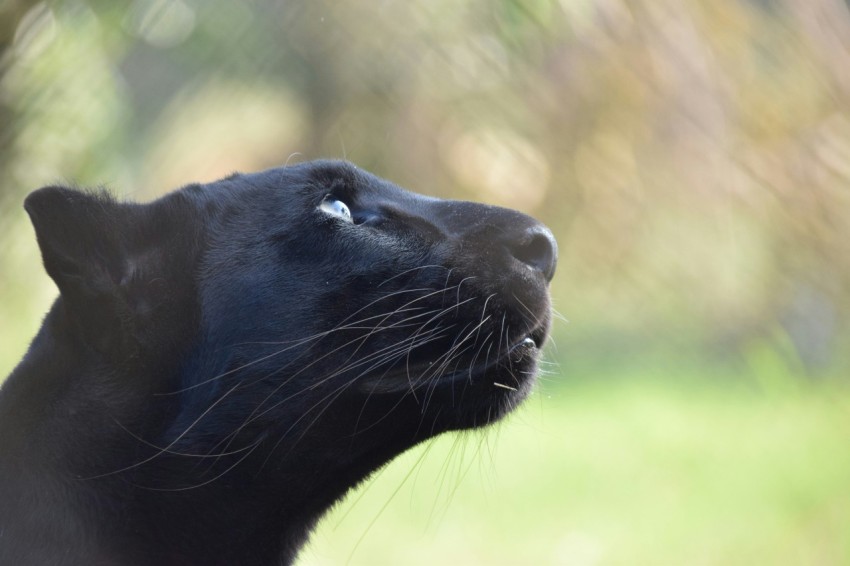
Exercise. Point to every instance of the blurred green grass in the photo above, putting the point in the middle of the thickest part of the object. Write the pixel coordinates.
(630, 468)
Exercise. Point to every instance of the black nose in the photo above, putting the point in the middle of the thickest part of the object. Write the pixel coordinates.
(536, 247)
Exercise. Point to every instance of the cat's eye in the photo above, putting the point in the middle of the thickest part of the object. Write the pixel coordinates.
(336, 208)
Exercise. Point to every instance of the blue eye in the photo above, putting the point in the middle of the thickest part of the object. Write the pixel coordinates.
(336, 208)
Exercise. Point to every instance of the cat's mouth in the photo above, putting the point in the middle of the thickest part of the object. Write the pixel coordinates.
(528, 345)
(514, 362)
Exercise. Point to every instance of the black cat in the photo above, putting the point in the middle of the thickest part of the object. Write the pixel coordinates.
(225, 363)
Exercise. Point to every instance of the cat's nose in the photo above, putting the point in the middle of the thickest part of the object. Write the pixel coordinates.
(534, 246)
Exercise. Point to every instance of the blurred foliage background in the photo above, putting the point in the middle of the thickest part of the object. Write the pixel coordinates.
(692, 158)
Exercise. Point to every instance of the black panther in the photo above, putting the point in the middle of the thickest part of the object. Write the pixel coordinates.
(226, 362)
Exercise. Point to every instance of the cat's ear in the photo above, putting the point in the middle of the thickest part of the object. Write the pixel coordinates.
(81, 237)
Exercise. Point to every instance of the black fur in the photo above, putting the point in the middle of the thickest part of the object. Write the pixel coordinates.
(225, 363)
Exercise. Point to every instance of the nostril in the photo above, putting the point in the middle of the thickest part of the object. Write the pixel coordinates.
(537, 250)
